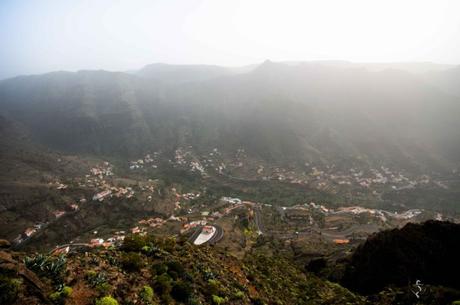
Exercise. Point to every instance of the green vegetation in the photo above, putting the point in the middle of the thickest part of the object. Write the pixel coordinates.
(186, 274)
(9, 287)
(58, 297)
(181, 291)
(135, 243)
(217, 300)
(47, 266)
(107, 300)
(146, 294)
(163, 284)
(132, 261)
(95, 278)
(159, 268)
(276, 132)
(238, 295)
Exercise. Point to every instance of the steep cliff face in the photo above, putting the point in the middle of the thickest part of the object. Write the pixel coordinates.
(426, 252)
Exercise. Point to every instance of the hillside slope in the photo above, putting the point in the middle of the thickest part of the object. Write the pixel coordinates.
(162, 271)
(277, 112)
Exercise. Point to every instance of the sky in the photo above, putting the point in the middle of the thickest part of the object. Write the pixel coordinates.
(38, 36)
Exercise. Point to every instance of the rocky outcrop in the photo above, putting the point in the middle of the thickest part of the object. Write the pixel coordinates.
(13, 268)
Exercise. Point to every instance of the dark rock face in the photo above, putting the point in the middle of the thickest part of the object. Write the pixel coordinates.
(428, 252)
(32, 290)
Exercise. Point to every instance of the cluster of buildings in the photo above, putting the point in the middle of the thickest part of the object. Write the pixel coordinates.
(193, 224)
(190, 196)
(231, 200)
(115, 240)
(356, 210)
(102, 170)
(61, 186)
(327, 178)
(195, 166)
(97, 176)
(147, 160)
(240, 157)
(214, 161)
(113, 191)
(58, 185)
(181, 156)
(330, 179)
(152, 222)
(101, 195)
(186, 158)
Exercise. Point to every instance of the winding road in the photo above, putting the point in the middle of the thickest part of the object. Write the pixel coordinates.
(218, 235)
(258, 221)
(76, 245)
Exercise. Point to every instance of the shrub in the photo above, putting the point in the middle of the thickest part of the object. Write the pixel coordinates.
(257, 301)
(169, 244)
(132, 261)
(107, 300)
(55, 297)
(58, 297)
(146, 294)
(66, 291)
(217, 300)
(103, 288)
(163, 284)
(153, 251)
(239, 295)
(8, 289)
(159, 268)
(213, 286)
(112, 260)
(208, 274)
(94, 261)
(181, 291)
(175, 266)
(95, 278)
(90, 274)
(134, 243)
(194, 301)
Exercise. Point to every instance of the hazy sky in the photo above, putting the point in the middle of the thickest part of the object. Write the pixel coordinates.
(38, 36)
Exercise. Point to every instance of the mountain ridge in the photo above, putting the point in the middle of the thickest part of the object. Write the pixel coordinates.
(273, 105)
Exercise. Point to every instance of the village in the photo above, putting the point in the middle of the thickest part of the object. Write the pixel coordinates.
(340, 225)
(322, 177)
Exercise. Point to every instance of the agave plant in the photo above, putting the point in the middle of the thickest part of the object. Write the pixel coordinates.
(47, 266)
(96, 278)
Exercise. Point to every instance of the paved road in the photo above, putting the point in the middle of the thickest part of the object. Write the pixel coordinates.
(195, 234)
(218, 235)
(258, 221)
(39, 232)
(79, 245)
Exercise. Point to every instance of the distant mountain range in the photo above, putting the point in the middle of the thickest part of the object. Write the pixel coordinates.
(402, 115)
